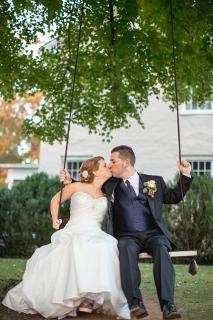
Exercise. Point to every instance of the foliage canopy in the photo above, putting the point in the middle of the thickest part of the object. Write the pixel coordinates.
(120, 64)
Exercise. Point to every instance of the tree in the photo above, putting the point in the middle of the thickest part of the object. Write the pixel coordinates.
(12, 115)
(12, 140)
(120, 64)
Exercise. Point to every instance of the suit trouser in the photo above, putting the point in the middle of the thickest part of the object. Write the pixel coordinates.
(163, 270)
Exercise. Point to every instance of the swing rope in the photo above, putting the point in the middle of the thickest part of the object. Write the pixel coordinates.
(175, 78)
(193, 265)
(112, 42)
(176, 94)
(67, 66)
(72, 91)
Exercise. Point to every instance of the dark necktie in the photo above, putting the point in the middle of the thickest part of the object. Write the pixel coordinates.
(130, 188)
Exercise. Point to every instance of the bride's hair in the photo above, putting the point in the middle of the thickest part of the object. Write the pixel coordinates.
(87, 168)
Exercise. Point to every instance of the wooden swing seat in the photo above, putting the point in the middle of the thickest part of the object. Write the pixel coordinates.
(173, 254)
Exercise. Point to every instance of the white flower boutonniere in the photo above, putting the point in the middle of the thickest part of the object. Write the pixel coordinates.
(150, 188)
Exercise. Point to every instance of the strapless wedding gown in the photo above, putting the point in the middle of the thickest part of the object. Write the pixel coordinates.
(80, 262)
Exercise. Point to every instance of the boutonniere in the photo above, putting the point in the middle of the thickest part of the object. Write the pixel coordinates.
(150, 188)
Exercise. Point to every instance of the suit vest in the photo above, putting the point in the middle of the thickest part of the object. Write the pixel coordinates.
(131, 213)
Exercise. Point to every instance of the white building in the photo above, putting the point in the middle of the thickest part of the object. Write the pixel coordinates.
(155, 146)
(17, 172)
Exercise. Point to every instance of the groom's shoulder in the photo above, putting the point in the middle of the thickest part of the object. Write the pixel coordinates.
(150, 176)
(110, 183)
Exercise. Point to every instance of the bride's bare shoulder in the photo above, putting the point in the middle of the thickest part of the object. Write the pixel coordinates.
(73, 186)
(78, 186)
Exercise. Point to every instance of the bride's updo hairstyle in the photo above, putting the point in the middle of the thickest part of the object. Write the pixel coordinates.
(87, 168)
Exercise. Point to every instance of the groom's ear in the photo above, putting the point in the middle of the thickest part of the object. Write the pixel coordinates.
(127, 163)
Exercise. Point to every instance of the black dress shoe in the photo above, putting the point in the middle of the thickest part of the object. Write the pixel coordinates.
(170, 311)
(138, 310)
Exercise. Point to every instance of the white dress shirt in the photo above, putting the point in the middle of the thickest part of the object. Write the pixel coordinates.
(134, 181)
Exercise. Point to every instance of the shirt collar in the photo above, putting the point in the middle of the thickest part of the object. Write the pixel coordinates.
(134, 179)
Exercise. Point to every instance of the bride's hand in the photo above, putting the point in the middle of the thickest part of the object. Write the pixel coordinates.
(56, 223)
(65, 177)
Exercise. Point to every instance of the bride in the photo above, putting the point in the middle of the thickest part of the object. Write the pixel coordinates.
(79, 269)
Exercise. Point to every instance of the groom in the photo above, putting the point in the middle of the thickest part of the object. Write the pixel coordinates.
(135, 219)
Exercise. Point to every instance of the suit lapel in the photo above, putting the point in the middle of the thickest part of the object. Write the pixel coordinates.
(110, 187)
(141, 182)
(150, 199)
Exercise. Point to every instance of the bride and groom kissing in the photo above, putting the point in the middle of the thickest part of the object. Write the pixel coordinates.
(85, 268)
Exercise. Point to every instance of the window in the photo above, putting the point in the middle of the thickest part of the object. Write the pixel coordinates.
(15, 182)
(207, 105)
(192, 107)
(202, 167)
(73, 168)
(74, 163)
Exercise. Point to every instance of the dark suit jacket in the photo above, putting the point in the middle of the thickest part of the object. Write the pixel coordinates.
(163, 195)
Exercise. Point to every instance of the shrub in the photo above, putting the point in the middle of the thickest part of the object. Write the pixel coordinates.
(26, 224)
(192, 226)
(26, 216)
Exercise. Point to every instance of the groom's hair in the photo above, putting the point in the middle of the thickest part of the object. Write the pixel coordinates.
(125, 152)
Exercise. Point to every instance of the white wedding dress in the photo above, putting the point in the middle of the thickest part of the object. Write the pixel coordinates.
(80, 262)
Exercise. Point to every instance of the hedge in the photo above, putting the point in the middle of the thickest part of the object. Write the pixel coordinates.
(25, 216)
(191, 224)
(26, 224)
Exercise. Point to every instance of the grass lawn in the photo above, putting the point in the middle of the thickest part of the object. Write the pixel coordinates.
(10, 269)
(193, 294)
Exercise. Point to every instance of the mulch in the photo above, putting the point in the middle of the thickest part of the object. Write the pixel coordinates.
(151, 304)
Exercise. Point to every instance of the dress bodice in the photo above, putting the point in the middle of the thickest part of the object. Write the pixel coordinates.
(87, 210)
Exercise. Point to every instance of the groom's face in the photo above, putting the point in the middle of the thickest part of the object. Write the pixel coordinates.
(117, 165)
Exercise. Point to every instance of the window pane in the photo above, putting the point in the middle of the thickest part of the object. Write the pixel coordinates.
(188, 106)
(74, 175)
(194, 165)
(194, 105)
(208, 165)
(201, 166)
(208, 105)
(73, 168)
(202, 106)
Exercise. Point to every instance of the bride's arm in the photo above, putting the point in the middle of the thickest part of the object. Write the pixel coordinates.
(54, 204)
